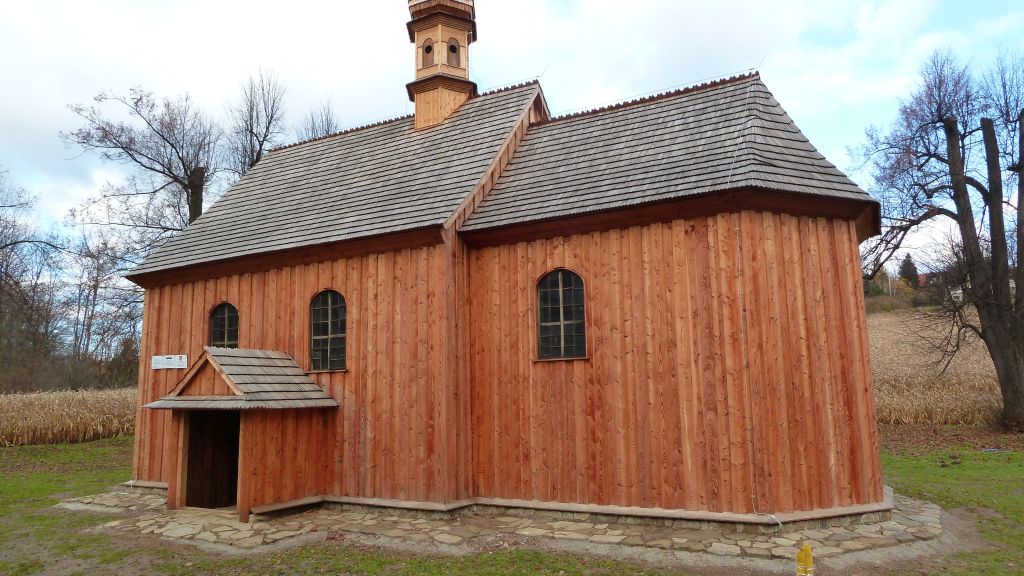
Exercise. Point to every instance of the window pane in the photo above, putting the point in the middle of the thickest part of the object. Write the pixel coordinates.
(337, 353)
(546, 314)
(316, 360)
(327, 330)
(224, 326)
(560, 302)
(579, 345)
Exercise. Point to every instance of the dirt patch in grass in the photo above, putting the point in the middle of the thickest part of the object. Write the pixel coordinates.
(915, 440)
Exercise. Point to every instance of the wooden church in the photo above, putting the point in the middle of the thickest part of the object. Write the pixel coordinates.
(652, 309)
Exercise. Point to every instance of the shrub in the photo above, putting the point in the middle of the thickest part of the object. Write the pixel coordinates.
(879, 304)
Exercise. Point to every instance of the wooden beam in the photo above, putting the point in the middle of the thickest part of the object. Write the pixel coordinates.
(176, 487)
(188, 375)
(625, 511)
(145, 485)
(279, 506)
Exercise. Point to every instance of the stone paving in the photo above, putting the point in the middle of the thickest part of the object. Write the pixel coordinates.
(911, 521)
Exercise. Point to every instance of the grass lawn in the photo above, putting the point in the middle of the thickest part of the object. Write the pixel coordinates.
(990, 483)
(35, 538)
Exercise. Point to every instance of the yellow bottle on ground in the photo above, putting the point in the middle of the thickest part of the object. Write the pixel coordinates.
(804, 561)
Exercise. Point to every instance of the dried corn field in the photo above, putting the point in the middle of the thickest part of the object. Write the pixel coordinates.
(66, 417)
(911, 389)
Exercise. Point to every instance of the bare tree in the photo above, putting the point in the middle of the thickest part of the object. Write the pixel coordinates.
(14, 203)
(15, 207)
(317, 123)
(255, 122)
(67, 318)
(30, 310)
(955, 153)
(170, 142)
(99, 314)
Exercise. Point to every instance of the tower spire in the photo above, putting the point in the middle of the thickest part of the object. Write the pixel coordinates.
(442, 31)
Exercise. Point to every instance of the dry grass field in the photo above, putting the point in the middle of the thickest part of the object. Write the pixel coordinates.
(911, 389)
(66, 417)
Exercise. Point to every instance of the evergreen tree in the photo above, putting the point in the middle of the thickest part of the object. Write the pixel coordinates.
(908, 272)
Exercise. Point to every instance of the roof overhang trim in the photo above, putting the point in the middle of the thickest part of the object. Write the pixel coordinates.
(429, 12)
(441, 81)
(297, 256)
(218, 403)
(865, 213)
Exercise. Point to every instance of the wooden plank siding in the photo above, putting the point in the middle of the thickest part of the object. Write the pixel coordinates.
(727, 369)
(384, 440)
(207, 382)
(458, 277)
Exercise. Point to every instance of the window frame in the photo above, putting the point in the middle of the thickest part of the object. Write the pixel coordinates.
(313, 338)
(582, 322)
(211, 319)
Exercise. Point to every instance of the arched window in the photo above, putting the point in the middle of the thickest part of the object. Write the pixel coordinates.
(327, 319)
(453, 53)
(428, 53)
(562, 329)
(224, 326)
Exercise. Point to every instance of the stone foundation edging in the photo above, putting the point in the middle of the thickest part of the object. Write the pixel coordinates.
(482, 528)
(697, 520)
(739, 523)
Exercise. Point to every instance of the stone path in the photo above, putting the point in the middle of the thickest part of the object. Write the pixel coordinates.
(912, 520)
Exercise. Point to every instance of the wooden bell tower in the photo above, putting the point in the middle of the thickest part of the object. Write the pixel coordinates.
(442, 31)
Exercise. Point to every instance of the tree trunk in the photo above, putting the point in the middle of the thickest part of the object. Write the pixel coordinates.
(1007, 351)
(1019, 292)
(1012, 385)
(997, 224)
(196, 184)
(1002, 331)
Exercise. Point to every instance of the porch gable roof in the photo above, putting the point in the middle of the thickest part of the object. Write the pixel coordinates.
(258, 379)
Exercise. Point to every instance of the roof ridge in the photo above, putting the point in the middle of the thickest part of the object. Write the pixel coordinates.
(509, 88)
(342, 132)
(736, 79)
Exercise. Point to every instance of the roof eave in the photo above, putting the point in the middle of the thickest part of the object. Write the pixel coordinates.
(378, 243)
(863, 211)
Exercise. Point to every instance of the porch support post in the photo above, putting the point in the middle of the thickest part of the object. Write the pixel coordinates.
(176, 482)
(242, 500)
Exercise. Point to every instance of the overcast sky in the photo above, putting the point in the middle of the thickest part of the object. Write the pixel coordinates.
(837, 66)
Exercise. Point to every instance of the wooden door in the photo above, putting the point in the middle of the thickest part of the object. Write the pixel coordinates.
(212, 479)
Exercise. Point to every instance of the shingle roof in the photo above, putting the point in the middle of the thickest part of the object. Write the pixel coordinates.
(728, 135)
(263, 380)
(366, 182)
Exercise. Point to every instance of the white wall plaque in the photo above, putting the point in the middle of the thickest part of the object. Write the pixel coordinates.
(170, 362)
